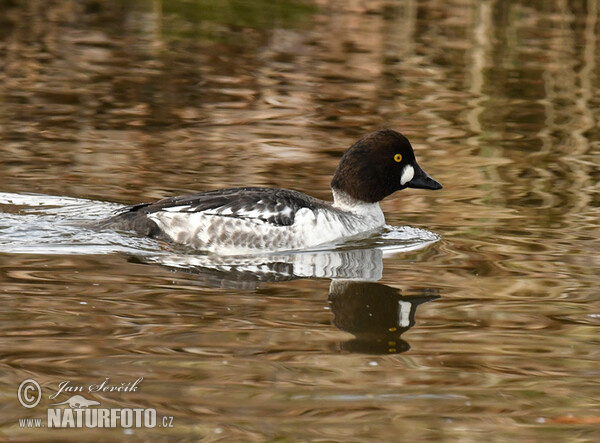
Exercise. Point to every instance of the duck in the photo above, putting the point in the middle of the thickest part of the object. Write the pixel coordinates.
(248, 220)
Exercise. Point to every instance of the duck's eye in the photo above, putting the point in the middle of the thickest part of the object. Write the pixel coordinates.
(398, 158)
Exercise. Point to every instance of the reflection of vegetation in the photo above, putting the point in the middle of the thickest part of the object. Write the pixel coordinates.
(201, 16)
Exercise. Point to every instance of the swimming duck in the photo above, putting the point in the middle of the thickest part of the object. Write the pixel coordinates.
(257, 219)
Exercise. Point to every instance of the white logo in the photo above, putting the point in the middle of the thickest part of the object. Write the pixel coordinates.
(25, 399)
(77, 401)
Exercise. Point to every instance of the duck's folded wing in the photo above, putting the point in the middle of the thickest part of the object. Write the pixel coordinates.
(275, 206)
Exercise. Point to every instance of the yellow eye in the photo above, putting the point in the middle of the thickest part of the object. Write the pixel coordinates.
(398, 158)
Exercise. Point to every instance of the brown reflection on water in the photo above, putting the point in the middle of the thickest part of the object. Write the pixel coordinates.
(132, 101)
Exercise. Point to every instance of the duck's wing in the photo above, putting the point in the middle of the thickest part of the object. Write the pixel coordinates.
(274, 206)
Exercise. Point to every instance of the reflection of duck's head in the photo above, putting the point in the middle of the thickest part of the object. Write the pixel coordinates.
(376, 314)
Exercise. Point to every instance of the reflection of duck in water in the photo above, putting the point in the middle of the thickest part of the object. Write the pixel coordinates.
(376, 314)
(355, 261)
(256, 220)
(246, 272)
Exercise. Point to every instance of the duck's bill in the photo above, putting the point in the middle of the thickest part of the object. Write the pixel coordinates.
(422, 180)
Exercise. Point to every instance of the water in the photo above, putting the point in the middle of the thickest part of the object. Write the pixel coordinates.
(474, 314)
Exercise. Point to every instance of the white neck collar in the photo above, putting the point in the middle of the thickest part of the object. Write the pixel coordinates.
(344, 202)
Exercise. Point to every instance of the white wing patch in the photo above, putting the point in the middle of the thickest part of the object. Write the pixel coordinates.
(226, 211)
(252, 212)
(177, 208)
